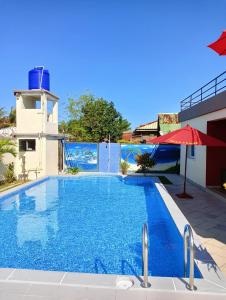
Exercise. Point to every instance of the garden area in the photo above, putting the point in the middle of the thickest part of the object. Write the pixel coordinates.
(7, 177)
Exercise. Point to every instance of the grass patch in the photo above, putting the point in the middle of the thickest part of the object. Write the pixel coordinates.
(6, 185)
(164, 180)
(175, 169)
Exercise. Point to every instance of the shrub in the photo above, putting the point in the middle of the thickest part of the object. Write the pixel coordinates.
(124, 167)
(124, 142)
(7, 146)
(145, 162)
(9, 175)
(73, 170)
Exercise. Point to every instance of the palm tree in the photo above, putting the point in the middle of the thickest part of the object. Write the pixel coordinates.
(7, 146)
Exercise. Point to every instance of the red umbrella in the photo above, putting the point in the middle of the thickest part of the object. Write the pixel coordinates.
(188, 136)
(219, 45)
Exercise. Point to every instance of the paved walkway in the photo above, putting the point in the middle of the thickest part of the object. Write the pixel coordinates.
(206, 214)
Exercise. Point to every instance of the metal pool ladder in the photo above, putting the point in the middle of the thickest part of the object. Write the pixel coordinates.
(189, 244)
(145, 283)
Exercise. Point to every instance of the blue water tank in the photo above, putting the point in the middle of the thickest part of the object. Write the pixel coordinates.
(38, 78)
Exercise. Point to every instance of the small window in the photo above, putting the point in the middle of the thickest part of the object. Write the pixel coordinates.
(27, 145)
(191, 151)
(31, 103)
(38, 104)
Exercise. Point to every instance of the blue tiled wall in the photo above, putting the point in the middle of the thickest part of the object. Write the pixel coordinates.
(112, 151)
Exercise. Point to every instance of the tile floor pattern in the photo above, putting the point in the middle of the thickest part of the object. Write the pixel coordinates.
(207, 215)
(41, 285)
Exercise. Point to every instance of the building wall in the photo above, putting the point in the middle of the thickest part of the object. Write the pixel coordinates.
(127, 136)
(51, 157)
(37, 118)
(196, 167)
(30, 162)
(29, 120)
(42, 161)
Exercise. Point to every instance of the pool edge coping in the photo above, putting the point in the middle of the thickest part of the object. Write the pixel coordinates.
(204, 262)
(22, 186)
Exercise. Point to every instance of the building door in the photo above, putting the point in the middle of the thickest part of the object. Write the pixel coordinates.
(216, 156)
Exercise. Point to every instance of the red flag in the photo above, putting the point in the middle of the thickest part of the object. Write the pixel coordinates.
(219, 45)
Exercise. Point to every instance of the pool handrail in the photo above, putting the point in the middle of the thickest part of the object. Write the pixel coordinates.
(145, 283)
(189, 243)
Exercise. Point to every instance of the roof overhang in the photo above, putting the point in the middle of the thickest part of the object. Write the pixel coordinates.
(38, 135)
(35, 92)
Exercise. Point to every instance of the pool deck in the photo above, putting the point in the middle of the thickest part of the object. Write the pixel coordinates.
(46, 285)
(206, 213)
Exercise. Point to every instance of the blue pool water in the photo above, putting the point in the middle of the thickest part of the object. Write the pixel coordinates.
(89, 224)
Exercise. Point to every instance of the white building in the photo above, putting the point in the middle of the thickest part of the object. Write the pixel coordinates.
(37, 137)
(206, 110)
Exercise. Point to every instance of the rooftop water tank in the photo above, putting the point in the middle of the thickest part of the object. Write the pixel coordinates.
(38, 78)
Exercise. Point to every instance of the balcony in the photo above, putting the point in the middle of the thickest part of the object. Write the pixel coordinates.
(212, 88)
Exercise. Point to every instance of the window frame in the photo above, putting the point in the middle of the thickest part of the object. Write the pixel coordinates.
(191, 151)
(26, 148)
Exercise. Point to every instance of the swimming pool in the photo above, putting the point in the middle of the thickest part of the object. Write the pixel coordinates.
(89, 224)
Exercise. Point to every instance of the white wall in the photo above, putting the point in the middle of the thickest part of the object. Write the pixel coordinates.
(51, 157)
(43, 161)
(30, 161)
(196, 167)
(31, 120)
(36, 124)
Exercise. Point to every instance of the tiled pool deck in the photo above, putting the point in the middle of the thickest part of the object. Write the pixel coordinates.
(34, 285)
(45, 285)
(206, 213)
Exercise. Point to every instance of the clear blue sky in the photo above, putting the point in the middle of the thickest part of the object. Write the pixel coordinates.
(144, 55)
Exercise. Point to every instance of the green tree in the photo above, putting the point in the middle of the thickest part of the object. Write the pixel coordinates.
(76, 131)
(63, 127)
(73, 127)
(2, 113)
(3, 119)
(7, 120)
(100, 119)
(7, 146)
(12, 116)
(74, 107)
(93, 119)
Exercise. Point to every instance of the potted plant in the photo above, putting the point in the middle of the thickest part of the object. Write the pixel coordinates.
(124, 167)
(73, 170)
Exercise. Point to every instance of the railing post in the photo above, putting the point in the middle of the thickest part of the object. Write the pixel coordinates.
(189, 242)
(213, 86)
(145, 283)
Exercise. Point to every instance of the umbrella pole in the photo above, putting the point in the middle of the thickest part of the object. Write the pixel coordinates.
(184, 194)
(185, 168)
